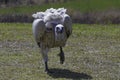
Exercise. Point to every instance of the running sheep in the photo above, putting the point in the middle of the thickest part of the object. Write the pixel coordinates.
(51, 29)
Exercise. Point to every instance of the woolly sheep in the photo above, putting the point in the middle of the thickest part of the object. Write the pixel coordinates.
(51, 29)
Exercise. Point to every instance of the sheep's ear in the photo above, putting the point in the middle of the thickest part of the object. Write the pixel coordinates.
(67, 22)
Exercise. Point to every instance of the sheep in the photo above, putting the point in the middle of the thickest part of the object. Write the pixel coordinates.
(51, 29)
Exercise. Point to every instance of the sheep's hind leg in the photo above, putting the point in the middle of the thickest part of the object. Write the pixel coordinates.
(62, 57)
(38, 43)
(44, 52)
(46, 67)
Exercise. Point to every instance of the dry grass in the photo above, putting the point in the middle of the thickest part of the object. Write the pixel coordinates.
(92, 52)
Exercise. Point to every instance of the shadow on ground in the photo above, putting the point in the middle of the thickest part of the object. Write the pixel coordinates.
(64, 73)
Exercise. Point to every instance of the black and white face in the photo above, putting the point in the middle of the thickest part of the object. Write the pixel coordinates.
(59, 28)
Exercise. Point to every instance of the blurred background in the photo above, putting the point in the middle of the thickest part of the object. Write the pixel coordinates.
(81, 11)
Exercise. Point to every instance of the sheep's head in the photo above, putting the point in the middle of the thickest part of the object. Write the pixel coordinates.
(56, 26)
(59, 32)
(59, 28)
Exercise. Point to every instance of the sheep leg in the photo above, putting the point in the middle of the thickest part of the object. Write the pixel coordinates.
(38, 43)
(44, 52)
(62, 57)
(46, 67)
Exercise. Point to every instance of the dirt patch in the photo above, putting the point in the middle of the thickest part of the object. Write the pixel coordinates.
(16, 46)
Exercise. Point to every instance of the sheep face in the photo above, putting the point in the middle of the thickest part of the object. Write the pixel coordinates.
(59, 29)
(59, 32)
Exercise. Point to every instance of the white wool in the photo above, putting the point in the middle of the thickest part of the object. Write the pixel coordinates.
(39, 15)
(51, 14)
(51, 10)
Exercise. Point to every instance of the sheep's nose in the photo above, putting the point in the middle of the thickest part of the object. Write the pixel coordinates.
(59, 28)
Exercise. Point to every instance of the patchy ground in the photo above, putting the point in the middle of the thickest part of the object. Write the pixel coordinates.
(92, 52)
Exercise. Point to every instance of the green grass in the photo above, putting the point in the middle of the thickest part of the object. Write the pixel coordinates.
(79, 5)
(92, 51)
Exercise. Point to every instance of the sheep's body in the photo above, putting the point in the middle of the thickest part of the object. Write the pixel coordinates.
(46, 36)
(51, 29)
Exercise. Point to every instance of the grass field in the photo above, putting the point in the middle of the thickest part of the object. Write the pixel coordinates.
(92, 52)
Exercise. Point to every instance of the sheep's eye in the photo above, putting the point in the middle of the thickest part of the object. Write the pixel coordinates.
(58, 29)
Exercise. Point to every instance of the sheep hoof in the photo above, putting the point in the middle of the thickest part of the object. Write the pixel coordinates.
(48, 71)
(61, 62)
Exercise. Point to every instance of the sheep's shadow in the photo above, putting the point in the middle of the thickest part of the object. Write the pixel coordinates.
(64, 73)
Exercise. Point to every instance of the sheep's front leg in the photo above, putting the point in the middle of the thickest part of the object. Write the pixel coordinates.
(44, 52)
(62, 57)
